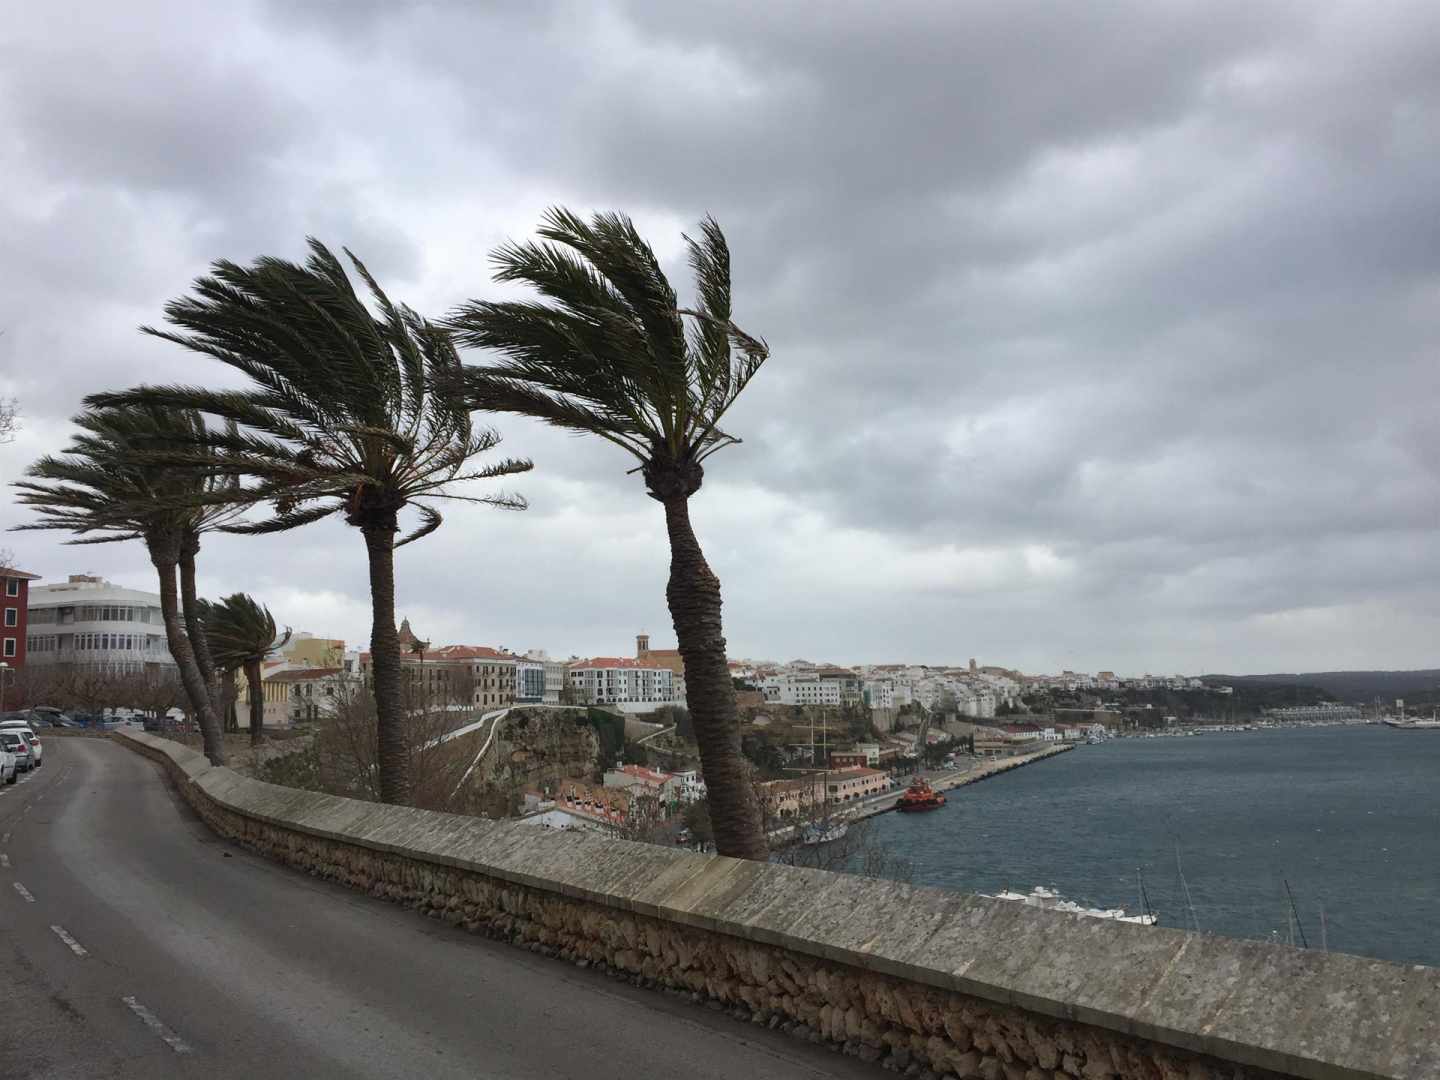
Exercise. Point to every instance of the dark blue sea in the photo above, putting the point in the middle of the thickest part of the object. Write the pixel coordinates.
(1349, 816)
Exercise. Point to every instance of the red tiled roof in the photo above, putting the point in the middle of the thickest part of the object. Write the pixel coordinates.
(611, 662)
(470, 652)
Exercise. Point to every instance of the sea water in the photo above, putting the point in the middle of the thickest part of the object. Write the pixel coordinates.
(1348, 816)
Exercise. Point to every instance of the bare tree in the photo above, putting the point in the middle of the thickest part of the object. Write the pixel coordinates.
(9, 419)
(347, 747)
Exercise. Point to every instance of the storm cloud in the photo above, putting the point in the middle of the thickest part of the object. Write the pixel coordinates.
(1103, 336)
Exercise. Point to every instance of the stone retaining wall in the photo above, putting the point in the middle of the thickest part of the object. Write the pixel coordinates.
(923, 981)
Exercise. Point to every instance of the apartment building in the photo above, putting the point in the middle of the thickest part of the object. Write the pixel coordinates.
(14, 615)
(628, 684)
(87, 620)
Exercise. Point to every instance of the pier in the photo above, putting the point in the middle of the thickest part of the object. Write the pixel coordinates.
(982, 770)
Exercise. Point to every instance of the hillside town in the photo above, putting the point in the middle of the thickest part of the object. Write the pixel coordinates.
(820, 734)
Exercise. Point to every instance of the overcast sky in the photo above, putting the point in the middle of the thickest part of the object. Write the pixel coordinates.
(1103, 335)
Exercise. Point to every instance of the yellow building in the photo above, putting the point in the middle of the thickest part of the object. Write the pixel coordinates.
(314, 652)
(661, 658)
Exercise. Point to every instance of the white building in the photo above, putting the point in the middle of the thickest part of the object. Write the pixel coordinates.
(879, 692)
(555, 675)
(88, 621)
(627, 684)
(799, 688)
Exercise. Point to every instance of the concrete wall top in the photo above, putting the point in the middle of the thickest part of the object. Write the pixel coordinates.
(1317, 1015)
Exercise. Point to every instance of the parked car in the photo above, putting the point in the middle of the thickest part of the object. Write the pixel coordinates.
(9, 766)
(36, 750)
(14, 744)
(26, 732)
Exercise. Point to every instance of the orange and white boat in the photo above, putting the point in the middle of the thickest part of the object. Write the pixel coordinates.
(919, 796)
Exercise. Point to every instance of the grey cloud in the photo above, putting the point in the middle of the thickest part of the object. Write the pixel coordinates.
(1145, 291)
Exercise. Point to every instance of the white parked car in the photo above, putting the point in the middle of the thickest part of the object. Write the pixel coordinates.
(18, 748)
(23, 729)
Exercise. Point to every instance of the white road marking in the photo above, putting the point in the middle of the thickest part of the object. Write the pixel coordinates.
(75, 946)
(5, 839)
(23, 891)
(179, 1045)
(4, 862)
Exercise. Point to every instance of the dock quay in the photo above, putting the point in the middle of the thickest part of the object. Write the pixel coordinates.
(980, 771)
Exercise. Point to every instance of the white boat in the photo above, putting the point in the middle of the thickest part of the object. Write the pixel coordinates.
(1050, 900)
(824, 832)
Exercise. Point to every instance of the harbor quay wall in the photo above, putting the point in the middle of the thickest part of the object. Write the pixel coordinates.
(927, 982)
(996, 766)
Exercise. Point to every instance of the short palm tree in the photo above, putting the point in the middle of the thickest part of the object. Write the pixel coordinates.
(226, 672)
(106, 488)
(340, 417)
(242, 633)
(613, 355)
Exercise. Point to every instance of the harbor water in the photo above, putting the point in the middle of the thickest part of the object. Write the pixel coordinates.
(1349, 816)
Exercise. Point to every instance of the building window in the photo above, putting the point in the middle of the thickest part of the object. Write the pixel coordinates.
(12, 616)
(12, 586)
(9, 646)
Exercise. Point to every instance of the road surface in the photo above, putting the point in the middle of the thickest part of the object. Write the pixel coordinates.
(135, 943)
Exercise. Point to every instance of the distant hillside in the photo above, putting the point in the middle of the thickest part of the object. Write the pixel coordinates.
(1353, 686)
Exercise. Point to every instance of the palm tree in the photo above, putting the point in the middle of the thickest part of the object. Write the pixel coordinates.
(341, 417)
(204, 611)
(613, 355)
(242, 633)
(106, 488)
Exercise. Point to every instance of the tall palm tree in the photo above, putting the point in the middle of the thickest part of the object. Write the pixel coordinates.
(614, 355)
(106, 488)
(341, 417)
(242, 633)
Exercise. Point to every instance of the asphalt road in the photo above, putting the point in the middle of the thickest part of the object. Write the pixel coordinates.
(135, 943)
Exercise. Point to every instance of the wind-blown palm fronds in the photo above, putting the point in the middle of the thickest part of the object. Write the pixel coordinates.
(613, 354)
(340, 417)
(106, 487)
(242, 632)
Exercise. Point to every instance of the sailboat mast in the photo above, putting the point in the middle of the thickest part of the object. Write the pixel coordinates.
(1295, 912)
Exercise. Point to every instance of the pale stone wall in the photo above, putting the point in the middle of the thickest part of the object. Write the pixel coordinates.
(921, 981)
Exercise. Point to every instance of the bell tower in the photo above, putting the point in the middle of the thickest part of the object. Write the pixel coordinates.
(642, 646)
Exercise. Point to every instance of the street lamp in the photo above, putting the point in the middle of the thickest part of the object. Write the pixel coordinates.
(4, 670)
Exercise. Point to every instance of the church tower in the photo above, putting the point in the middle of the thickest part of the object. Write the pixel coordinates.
(642, 646)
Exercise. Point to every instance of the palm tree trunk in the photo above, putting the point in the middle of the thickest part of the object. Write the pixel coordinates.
(392, 753)
(257, 701)
(189, 547)
(165, 561)
(230, 696)
(694, 597)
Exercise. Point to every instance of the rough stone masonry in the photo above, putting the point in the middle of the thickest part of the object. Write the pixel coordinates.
(926, 982)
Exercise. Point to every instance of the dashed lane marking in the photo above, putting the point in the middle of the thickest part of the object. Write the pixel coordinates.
(5, 839)
(4, 862)
(23, 891)
(179, 1045)
(75, 946)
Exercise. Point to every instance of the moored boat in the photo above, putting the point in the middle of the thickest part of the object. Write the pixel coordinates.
(919, 796)
(824, 832)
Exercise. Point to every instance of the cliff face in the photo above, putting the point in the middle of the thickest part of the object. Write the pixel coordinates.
(536, 748)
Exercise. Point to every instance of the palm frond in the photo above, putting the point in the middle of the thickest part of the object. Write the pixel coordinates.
(607, 350)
